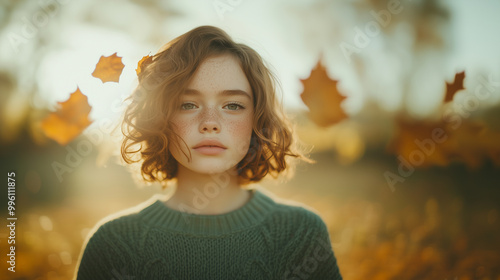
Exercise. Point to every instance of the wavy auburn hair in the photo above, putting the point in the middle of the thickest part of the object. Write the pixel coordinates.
(163, 78)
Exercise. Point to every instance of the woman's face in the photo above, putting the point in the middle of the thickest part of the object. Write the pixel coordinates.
(217, 106)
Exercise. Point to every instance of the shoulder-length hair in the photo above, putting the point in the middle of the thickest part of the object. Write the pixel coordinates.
(163, 78)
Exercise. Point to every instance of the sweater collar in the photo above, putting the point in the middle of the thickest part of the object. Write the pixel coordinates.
(252, 213)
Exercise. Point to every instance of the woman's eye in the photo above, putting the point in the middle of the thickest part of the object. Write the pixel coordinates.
(187, 106)
(234, 106)
(231, 106)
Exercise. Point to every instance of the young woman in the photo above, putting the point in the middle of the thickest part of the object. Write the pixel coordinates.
(205, 116)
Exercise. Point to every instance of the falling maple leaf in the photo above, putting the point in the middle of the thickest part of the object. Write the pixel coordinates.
(143, 63)
(109, 68)
(322, 97)
(70, 119)
(451, 89)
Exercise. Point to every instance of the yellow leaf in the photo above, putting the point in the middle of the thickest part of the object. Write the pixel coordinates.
(322, 97)
(69, 120)
(109, 68)
(143, 63)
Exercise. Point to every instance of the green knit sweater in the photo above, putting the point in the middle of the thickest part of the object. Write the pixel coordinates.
(263, 239)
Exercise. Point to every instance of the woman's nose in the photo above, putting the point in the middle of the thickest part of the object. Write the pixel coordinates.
(209, 127)
(209, 122)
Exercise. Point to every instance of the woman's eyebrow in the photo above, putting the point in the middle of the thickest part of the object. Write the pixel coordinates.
(227, 92)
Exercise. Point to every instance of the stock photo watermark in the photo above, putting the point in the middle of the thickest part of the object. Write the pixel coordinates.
(11, 220)
(310, 262)
(201, 200)
(211, 190)
(453, 119)
(121, 275)
(33, 23)
(363, 36)
(222, 7)
(74, 156)
(95, 136)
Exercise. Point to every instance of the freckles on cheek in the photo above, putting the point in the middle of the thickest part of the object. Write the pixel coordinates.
(181, 127)
(241, 132)
(240, 129)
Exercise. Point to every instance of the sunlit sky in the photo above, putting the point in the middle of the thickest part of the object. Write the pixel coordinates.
(290, 35)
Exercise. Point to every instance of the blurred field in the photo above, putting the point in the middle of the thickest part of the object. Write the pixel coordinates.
(441, 223)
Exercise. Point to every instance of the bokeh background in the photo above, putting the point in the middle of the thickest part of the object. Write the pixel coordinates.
(394, 210)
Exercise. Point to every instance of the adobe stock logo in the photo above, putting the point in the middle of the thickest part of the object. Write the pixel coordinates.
(452, 119)
(363, 37)
(310, 262)
(221, 7)
(32, 25)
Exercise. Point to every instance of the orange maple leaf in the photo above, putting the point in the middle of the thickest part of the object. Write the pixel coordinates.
(70, 119)
(322, 97)
(451, 89)
(109, 68)
(143, 63)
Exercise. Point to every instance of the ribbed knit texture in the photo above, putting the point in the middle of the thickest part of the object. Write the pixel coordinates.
(263, 239)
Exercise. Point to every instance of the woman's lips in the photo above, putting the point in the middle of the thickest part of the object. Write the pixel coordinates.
(209, 150)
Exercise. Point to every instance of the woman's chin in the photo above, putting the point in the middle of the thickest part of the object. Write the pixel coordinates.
(210, 167)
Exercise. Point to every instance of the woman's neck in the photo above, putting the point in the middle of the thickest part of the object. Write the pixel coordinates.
(207, 194)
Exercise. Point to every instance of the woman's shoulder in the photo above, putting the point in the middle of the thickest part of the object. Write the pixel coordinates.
(300, 213)
(295, 223)
(294, 211)
(124, 221)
